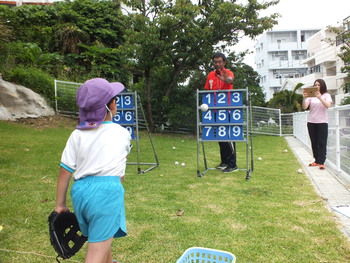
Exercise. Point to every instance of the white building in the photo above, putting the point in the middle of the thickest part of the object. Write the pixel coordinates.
(279, 56)
(323, 62)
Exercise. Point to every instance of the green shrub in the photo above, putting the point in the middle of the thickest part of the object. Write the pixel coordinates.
(34, 79)
(345, 101)
(4, 56)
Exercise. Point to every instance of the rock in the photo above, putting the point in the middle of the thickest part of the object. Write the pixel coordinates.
(20, 102)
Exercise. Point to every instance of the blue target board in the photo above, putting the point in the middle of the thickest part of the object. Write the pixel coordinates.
(236, 98)
(127, 102)
(222, 116)
(126, 113)
(131, 130)
(236, 132)
(208, 98)
(224, 120)
(236, 115)
(222, 132)
(208, 132)
(222, 99)
(208, 116)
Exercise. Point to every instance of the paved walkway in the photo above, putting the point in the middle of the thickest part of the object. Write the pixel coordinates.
(333, 189)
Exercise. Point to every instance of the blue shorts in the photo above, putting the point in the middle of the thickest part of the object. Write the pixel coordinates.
(98, 203)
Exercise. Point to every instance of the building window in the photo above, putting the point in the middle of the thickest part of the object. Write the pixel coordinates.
(347, 88)
(315, 69)
(298, 55)
(280, 55)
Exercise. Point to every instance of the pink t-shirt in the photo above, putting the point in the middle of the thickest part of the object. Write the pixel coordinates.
(318, 112)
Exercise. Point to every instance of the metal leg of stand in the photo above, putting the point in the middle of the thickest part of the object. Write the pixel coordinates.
(205, 158)
(198, 168)
(150, 138)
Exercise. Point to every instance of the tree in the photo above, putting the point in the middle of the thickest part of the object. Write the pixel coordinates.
(70, 37)
(76, 40)
(343, 40)
(31, 24)
(286, 100)
(246, 77)
(5, 33)
(101, 20)
(345, 56)
(181, 36)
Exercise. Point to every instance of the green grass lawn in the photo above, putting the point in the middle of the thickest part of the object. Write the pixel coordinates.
(276, 216)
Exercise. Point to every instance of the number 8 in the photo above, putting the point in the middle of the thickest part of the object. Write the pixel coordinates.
(221, 131)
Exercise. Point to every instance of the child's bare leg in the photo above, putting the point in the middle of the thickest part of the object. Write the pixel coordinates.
(99, 252)
(109, 257)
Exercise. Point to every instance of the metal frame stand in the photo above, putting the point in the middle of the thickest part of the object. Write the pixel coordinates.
(138, 104)
(247, 138)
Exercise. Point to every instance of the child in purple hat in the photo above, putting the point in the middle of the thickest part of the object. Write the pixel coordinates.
(96, 154)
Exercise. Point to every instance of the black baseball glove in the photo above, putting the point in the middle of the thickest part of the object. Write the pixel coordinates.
(65, 235)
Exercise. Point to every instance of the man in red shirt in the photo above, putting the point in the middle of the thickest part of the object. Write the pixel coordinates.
(222, 79)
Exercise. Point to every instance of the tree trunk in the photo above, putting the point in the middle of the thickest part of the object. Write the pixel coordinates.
(174, 75)
(148, 95)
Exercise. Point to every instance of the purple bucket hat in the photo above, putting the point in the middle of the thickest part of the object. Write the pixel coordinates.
(92, 98)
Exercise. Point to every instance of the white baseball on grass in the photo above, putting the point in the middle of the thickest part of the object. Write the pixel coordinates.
(204, 107)
(300, 171)
(259, 158)
(285, 150)
(183, 164)
(174, 148)
(176, 162)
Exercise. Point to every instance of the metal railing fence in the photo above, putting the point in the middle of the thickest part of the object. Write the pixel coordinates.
(271, 121)
(338, 144)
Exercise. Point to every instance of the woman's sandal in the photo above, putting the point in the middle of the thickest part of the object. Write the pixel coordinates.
(322, 167)
(313, 164)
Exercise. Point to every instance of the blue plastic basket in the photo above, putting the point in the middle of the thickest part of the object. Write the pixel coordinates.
(206, 255)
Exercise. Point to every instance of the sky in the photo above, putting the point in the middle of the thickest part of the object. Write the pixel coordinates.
(299, 14)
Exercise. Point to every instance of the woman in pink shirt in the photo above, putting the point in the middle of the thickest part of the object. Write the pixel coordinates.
(317, 122)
